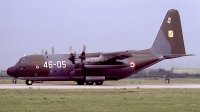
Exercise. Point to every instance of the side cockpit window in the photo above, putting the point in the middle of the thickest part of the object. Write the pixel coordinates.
(24, 60)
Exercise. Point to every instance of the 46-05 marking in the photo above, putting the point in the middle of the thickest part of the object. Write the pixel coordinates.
(58, 64)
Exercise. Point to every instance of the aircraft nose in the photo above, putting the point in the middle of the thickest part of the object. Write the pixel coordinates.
(12, 71)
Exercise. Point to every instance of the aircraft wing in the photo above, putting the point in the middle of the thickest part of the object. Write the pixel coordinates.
(105, 57)
(118, 55)
(107, 60)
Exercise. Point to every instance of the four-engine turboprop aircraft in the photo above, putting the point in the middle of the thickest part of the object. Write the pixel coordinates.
(95, 68)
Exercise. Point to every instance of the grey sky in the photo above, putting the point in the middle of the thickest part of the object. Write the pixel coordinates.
(27, 26)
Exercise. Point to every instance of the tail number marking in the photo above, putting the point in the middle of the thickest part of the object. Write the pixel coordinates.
(170, 33)
(58, 64)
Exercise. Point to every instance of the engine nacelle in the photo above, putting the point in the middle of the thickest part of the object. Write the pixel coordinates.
(99, 59)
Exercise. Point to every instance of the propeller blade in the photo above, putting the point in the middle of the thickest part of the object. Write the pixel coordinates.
(42, 51)
(82, 55)
(70, 49)
(46, 52)
(84, 48)
(52, 49)
(74, 53)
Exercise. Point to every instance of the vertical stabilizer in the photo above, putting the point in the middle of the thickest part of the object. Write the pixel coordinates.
(169, 39)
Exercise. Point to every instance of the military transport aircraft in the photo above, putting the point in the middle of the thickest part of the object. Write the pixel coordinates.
(95, 68)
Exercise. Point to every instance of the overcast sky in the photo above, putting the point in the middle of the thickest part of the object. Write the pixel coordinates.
(28, 26)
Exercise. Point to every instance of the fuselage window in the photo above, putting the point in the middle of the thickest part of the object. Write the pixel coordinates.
(21, 61)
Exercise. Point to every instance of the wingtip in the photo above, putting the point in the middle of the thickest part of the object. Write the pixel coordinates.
(191, 55)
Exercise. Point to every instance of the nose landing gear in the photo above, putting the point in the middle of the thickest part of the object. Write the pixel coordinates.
(14, 81)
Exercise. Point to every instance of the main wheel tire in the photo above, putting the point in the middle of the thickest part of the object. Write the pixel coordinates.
(29, 82)
(80, 82)
(99, 83)
(89, 83)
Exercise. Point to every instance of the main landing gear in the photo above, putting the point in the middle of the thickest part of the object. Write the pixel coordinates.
(80, 82)
(167, 81)
(89, 83)
(29, 82)
(99, 83)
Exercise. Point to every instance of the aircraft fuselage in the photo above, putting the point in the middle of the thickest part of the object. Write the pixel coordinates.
(57, 67)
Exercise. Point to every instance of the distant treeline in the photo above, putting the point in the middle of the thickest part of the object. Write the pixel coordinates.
(4, 75)
(162, 73)
(141, 75)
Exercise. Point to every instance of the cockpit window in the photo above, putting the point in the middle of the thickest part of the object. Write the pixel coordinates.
(24, 60)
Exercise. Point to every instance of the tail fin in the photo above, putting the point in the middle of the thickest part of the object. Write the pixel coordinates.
(169, 39)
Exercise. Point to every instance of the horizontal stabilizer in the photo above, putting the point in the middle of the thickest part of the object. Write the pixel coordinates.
(169, 56)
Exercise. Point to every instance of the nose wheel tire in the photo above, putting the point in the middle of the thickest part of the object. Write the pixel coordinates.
(29, 82)
(99, 83)
(89, 83)
(14, 81)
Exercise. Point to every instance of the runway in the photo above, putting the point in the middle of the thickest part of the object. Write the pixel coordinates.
(105, 86)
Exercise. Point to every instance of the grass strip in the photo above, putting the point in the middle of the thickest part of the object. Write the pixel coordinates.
(105, 100)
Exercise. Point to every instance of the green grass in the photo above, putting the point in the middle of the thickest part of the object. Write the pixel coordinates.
(106, 100)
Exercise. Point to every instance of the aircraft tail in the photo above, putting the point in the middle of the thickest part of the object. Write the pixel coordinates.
(169, 40)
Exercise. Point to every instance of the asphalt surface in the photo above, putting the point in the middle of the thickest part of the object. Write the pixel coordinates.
(105, 86)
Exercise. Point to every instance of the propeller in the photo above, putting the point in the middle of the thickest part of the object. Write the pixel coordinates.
(82, 55)
(72, 55)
